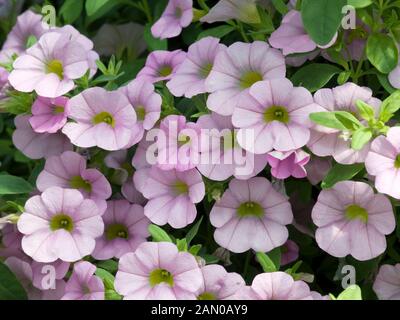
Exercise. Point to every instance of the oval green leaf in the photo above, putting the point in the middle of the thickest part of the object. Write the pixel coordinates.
(382, 52)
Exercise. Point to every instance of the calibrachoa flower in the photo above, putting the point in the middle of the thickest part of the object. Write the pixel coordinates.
(351, 219)
(172, 195)
(125, 228)
(330, 142)
(290, 252)
(28, 29)
(236, 69)
(158, 271)
(49, 115)
(147, 105)
(38, 145)
(83, 284)
(50, 66)
(251, 215)
(177, 15)
(278, 286)
(40, 272)
(274, 115)
(178, 144)
(387, 282)
(291, 36)
(189, 79)
(224, 10)
(317, 169)
(219, 284)
(289, 163)
(69, 170)
(104, 119)
(161, 65)
(3, 82)
(60, 224)
(383, 162)
(10, 245)
(222, 156)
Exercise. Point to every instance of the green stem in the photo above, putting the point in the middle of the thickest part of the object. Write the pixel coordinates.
(240, 28)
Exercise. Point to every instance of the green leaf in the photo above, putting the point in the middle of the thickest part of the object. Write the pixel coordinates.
(348, 120)
(14, 185)
(359, 3)
(218, 32)
(108, 280)
(153, 43)
(95, 9)
(270, 262)
(182, 244)
(365, 110)
(109, 265)
(194, 250)
(382, 52)
(340, 120)
(390, 106)
(360, 138)
(158, 234)
(315, 76)
(384, 81)
(193, 231)
(352, 292)
(322, 18)
(71, 10)
(280, 6)
(341, 172)
(10, 288)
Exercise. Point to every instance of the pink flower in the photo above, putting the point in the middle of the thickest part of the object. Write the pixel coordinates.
(158, 271)
(291, 36)
(68, 170)
(125, 228)
(223, 156)
(83, 284)
(330, 142)
(274, 115)
(147, 105)
(161, 65)
(104, 119)
(236, 69)
(387, 282)
(278, 286)
(50, 66)
(178, 144)
(317, 169)
(190, 77)
(38, 145)
(290, 252)
(172, 195)
(49, 115)
(60, 224)
(11, 242)
(219, 284)
(290, 163)
(41, 271)
(351, 219)
(251, 215)
(177, 15)
(224, 10)
(383, 162)
(3, 82)
(29, 25)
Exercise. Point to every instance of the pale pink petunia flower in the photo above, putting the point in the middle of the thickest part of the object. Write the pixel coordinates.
(41, 271)
(242, 10)
(147, 105)
(189, 79)
(278, 286)
(317, 169)
(219, 284)
(49, 115)
(237, 68)
(383, 162)
(158, 271)
(172, 195)
(221, 155)
(84, 284)
(288, 164)
(251, 215)
(102, 118)
(161, 65)
(387, 282)
(38, 145)
(69, 170)
(330, 142)
(352, 220)
(11, 242)
(290, 252)
(177, 15)
(3, 82)
(50, 66)
(125, 228)
(60, 224)
(274, 115)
